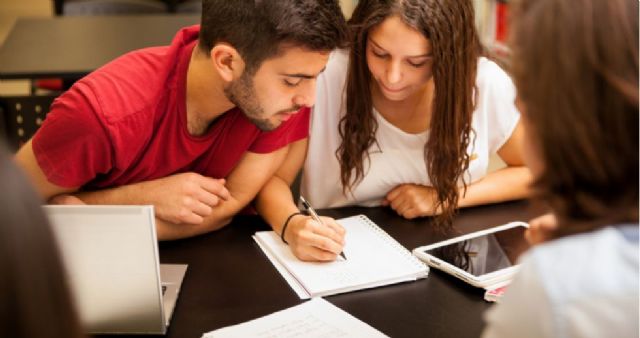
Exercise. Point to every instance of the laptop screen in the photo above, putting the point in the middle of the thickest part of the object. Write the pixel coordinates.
(111, 257)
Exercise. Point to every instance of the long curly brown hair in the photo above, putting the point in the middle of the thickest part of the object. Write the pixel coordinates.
(449, 25)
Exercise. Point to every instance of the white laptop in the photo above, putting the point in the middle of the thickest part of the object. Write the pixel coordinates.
(111, 257)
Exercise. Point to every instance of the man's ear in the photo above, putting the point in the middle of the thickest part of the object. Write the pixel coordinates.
(227, 61)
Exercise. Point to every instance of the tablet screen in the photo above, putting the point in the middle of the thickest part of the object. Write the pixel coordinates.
(485, 254)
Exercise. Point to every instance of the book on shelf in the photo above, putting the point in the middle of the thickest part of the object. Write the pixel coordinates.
(492, 24)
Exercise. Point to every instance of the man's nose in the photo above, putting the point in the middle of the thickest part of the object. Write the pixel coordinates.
(306, 96)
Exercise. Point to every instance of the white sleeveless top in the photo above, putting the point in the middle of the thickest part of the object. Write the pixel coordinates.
(398, 158)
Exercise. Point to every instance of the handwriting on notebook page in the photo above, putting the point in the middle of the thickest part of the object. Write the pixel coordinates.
(316, 318)
(308, 326)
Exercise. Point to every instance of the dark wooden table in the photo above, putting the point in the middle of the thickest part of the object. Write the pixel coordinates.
(71, 47)
(230, 281)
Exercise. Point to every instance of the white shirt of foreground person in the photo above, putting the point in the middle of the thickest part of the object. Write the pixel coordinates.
(584, 285)
(398, 158)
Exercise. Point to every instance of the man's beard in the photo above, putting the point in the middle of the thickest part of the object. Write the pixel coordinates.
(242, 93)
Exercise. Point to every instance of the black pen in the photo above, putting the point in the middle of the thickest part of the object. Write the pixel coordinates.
(314, 215)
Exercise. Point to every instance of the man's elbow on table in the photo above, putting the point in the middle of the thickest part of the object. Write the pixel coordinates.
(169, 231)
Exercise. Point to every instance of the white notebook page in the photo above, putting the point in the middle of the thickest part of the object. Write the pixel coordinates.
(373, 259)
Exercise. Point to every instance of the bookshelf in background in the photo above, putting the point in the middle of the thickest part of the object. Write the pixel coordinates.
(492, 25)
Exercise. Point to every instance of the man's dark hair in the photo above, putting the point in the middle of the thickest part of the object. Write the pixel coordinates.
(259, 28)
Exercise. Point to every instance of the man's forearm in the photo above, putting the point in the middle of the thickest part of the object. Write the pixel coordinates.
(136, 194)
(133, 194)
(170, 231)
(188, 204)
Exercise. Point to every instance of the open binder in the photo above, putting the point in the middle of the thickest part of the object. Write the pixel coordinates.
(374, 259)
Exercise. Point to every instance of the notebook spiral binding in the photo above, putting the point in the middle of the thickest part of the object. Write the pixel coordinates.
(395, 244)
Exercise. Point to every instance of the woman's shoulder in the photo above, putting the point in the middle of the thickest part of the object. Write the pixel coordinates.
(490, 74)
(331, 84)
(575, 281)
(563, 266)
(340, 56)
(337, 65)
(603, 237)
(590, 274)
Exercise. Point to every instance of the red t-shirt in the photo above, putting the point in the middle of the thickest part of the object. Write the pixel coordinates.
(126, 123)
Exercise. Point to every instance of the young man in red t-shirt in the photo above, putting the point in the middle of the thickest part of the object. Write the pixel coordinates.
(195, 128)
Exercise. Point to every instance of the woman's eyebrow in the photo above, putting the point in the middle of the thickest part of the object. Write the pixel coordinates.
(410, 56)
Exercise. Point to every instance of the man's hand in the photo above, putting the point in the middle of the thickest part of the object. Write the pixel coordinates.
(412, 200)
(312, 241)
(186, 198)
(541, 228)
(66, 199)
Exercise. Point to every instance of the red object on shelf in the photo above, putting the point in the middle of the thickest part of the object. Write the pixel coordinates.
(501, 21)
(51, 84)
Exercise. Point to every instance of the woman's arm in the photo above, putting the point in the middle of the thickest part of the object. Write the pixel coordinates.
(307, 239)
(509, 183)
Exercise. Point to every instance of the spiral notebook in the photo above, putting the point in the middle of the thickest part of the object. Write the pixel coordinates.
(373, 259)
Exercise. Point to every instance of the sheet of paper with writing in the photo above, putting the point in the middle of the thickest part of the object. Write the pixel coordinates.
(316, 318)
(373, 259)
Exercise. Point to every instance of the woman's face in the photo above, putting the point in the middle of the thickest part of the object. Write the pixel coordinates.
(399, 59)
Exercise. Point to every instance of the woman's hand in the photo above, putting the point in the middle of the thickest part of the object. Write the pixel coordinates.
(412, 200)
(312, 241)
(541, 228)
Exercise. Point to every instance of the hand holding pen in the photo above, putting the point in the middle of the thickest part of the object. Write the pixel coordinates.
(315, 216)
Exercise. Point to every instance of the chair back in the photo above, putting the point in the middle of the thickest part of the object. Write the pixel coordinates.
(21, 116)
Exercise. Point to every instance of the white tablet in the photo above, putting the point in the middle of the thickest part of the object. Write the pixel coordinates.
(483, 259)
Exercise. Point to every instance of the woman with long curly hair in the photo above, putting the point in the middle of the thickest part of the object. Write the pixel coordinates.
(575, 66)
(407, 118)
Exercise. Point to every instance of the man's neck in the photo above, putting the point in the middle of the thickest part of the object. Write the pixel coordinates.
(205, 97)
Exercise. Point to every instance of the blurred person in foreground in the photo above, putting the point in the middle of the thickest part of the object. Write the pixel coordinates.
(575, 66)
(35, 301)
